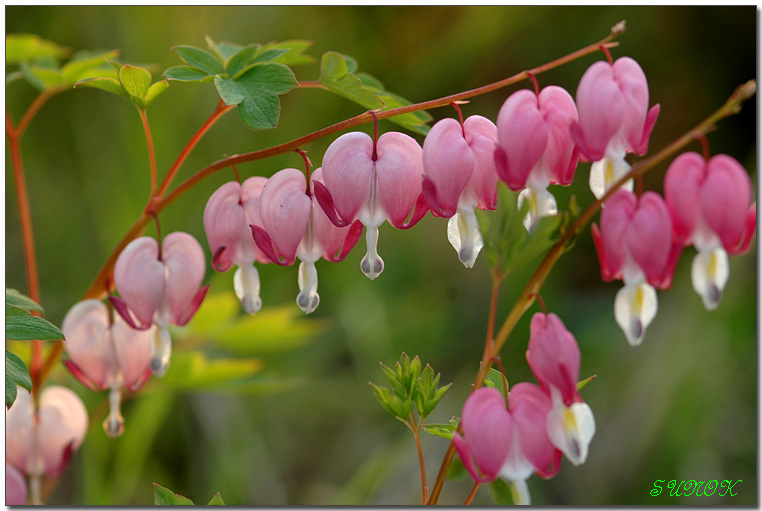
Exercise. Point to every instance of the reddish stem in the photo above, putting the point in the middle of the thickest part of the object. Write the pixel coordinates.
(151, 153)
(472, 494)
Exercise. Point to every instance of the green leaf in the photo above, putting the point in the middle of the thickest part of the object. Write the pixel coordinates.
(187, 74)
(256, 93)
(165, 497)
(414, 121)
(216, 500)
(442, 430)
(240, 59)
(30, 47)
(154, 90)
(16, 373)
(501, 492)
(495, 380)
(19, 327)
(111, 85)
(457, 471)
(584, 382)
(335, 75)
(295, 55)
(200, 59)
(223, 50)
(86, 64)
(13, 297)
(135, 81)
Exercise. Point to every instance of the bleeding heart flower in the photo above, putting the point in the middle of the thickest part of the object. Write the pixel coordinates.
(373, 183)
(460, 176)
(105, 355)
(710, 204)
(15, 486)
(535, 148)
(41, 442)
(294, 226)
(614, 120)
(228, 215)
(160, 287)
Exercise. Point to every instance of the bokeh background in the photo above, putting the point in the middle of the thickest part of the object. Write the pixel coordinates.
(305, 429)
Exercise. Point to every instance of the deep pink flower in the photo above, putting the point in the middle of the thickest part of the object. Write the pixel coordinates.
(710, 203)
(294, 226)
(160, 287)
(228, 215)
(535, 148)
(42, 442)
(635, 243)
(614, 119)
(15, 486)
(554, 357)
(372, 182)
(105, 355)
(460, 176)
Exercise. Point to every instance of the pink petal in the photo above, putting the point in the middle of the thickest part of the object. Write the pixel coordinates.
(632, 82)
(251, 191)
(133, 352)
(481, 134)
(347, 167)
(448, 163)
(185, 267)
(399, 171)
(615, 218)
(682, 183)
(488, 429)
(223, 222)
(724, 198)
(285, 209)
(601, 110)
(553, 355)
(560, 157)
(336, 242)
(139, 277)
(529, 407)
(62, 427)
(88, 341)
(15, 487)
(649, 236)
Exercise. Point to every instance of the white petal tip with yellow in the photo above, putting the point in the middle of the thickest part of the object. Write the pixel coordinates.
(542, 203)
(571, 429)
(709, 273)
(604, 173)
(465, 237)
(634, 308)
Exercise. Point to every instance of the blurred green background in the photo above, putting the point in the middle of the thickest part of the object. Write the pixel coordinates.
(306, 428)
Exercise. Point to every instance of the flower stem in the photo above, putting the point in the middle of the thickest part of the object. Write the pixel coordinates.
(472, 494)
(421, 463)
(151, 152)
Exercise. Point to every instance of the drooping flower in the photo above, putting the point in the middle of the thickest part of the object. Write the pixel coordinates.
(228, 215)
(554, 358)
(105, 355)
(460, 176)
(15, 486)
(373, 183)
(160, 287)
(41, 442)
(635, 244)
(511, 441)
(294, 226)
(710, 203)
(535, 147)
(614, 120)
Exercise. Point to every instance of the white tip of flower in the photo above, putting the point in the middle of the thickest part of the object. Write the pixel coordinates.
(246, 287)
(542, 203)
(161, 350)
(606, 172)
(308, 298)
(520, 492)
(465, 237)
(571, 429)
(114, 423)
(634, 308)
(709, 273)
(372, 265)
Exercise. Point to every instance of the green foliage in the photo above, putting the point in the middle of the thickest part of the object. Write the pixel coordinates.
(251, 77)
(338, 75)
(15, 374)
(507, 244)
(38, 62)
(496, 380)
(21, 326)
(583, 383)
(165, 497)
(442, 430)
(133, 83)
(410, 387)
(501, 492)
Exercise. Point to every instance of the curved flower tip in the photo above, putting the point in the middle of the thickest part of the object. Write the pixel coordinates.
(709, 274)
(114, 423)
(16, 491)
(246, 286)
(571, 428)
(308, 298)
(635, 308)
(607, 171)
(161, 350)
(541, 203)
(553, 355)
(465, 237)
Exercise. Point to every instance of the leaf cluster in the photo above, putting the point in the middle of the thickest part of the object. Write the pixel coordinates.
(131, 82)
(165, 497)
(412, 387)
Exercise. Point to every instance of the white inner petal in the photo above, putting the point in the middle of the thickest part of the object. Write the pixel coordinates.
(541, 203)
(606, 172)
(520, 492)
(372, 265)
(246, 286)
(571, 429)
(709, 273)
(308, 298)
(465, 237)
(635, 307)
(161, 350)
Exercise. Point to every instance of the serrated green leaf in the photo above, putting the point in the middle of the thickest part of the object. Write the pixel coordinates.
(335, 76)
(16, 373)
(14, 297)
(200, 59)
(30, 328)
(154, 90)
(165, 497)
(216, 500)
(240, 59)
(30, 47)
(434, 400)
(187, 74)
(224, 50)
(442, 430)
(295, 54)
(268, 55)
(501, 492)
(256, 93)
(111, 85)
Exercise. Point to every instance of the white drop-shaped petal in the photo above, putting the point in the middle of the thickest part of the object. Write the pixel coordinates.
(246, 286)
(571, 429)
(465, 237)
(709, 273)
(520, 492)
(308, 298)
(541, 203)
(114, 423)
(634, 308)
(372, 265)
(161, 350)
(606, 172)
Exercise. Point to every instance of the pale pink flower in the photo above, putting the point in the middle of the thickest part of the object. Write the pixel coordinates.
(294, 226)
(614, 120)
(635, 244)
(15, 486)
(228, 217)
(460, 176)
(535, 148)
(373, 183)
(710, 202)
